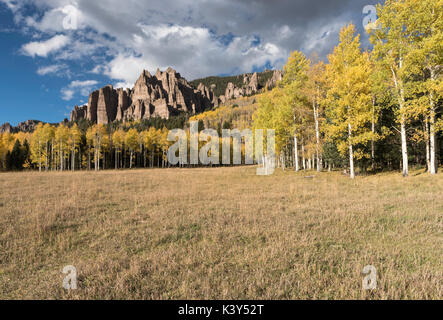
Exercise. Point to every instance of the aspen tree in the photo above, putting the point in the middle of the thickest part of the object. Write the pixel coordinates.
(349, 98)
(131, 142)
(392, 45)
(118, 139)
(424, 22)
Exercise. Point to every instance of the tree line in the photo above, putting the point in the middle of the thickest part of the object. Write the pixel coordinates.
(377, 109)
(98, 147)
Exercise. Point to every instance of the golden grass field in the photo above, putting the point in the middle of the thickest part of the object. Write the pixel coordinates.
(221, 233)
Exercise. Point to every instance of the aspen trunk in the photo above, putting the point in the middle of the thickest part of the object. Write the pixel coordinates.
(61, 156)
(404, 149)
(433, 167)
(47, 157)
(303, 157)
(283, 161)
(428, 155)
(401, 102)
(351, 153)
(73, 160)
(297, 168)
(39, 157)
(52, 156)
(373, 132)
(317, 136)
(130, 160)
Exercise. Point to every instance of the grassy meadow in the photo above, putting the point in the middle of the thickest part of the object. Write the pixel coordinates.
(221, 233)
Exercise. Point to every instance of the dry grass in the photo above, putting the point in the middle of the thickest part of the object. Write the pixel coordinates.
(220, 233)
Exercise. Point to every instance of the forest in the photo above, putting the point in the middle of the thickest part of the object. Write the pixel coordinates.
(362, 110)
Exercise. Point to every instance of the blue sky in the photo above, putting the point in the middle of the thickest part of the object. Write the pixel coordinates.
(54, 52)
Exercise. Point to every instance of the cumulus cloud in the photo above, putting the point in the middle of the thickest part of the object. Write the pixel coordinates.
(79, 84)
(44, 48)
(67, 94)
(196, 37)
(56, 69)
(82, 86)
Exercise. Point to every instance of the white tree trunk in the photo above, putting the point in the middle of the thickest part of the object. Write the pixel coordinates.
(433, 167)
(297, 168)
(303, 156)
(130, 160)
(401, 102)
(426, 136)
(39, 157)
(351, 154)
(404, 149)
(373, 133)
(317, 136)
(432, 163)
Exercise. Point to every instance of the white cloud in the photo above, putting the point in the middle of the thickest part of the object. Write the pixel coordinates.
(86, 83)
(58, 19)
(196, 37)
(84, 87)
(55, 68)
(43, 48)
(67, 94)
(194, 52)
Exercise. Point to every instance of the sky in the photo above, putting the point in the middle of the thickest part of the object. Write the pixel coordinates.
(55, 52)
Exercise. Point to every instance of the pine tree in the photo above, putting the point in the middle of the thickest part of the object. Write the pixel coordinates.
(15, 159)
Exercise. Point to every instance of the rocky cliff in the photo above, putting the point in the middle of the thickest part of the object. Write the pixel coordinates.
(276, 77)
(27, 126)
(160, 95)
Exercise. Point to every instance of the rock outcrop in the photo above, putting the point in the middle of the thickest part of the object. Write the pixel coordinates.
(91, 113)
(79, 113)
(250, 84)
(162, 95)
(250, 87)
(26, 126)
(107, 105)
(277, 76)
(6, 128)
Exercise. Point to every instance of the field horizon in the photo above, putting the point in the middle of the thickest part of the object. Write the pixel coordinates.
(220, 233)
